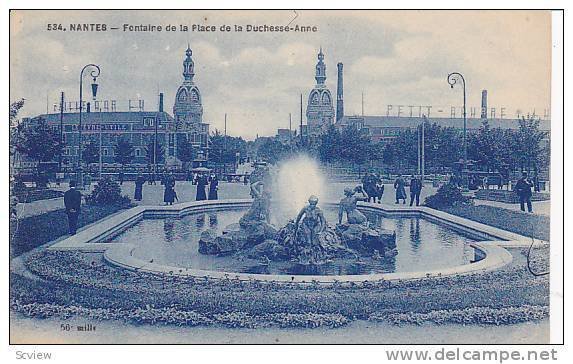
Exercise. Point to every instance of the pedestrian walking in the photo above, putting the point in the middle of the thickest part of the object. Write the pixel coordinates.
(139, 182)
(73, 202)
(399, 185)
(523, 190)
(415, 189)
(213, 187)
(120, 177)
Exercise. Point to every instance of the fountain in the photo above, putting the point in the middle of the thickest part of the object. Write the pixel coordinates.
(306, 240)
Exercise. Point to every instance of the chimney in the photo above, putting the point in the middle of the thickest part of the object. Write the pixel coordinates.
(484, 104)
(161, 102)
(339, 94)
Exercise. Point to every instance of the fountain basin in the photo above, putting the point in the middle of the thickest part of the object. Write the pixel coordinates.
(126, 255)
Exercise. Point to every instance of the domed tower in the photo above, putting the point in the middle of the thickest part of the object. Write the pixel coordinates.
(188, 109)
(319, 111)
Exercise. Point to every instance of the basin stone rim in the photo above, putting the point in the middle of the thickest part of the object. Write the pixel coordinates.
(119, 254)
(495, 257)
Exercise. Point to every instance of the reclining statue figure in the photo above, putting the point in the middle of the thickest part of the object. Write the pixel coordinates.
(348, 205)
(260, 208)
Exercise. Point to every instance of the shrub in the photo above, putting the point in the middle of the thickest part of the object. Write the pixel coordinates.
(19, 187)
(107, 192)
(447, 196)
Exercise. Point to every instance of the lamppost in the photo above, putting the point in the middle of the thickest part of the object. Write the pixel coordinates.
(454, 78)
(94, 73)
(421, 148)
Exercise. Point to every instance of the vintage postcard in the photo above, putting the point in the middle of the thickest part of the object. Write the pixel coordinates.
(281, 177)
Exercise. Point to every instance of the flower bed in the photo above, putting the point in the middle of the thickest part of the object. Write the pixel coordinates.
(468, 316)
(82, 284)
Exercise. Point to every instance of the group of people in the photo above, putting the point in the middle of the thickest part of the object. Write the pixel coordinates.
(202, 181)
(415, 189)
(374, 188)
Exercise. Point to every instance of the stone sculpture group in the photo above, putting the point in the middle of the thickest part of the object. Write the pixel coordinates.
(308, 239)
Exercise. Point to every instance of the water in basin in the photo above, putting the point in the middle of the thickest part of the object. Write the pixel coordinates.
(422, 245)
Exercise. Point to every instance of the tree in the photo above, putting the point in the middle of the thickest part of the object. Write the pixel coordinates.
(402, 151)
(355, 144)
(375, 151)
(15, 128)
(123, 152)
(90, 153)
(529, 149)
(224, 149)
(14, 125)
(330, 146)
(484, 148)
(39, 142)
(442, 146)
(273, 151)
(159, 153)
(185, 152)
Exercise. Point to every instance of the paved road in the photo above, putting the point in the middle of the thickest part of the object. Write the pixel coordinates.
(153, 195)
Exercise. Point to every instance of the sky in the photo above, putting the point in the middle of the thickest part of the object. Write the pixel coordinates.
(392, 57)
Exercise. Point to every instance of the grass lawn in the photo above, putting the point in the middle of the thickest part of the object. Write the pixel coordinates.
(31, 232)
(531, 225)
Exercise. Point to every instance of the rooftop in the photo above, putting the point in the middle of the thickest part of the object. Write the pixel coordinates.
(412, 122)
(114, 116)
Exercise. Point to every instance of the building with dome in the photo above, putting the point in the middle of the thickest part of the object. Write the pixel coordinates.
(103, 124)
(319, 111)
(188, 109)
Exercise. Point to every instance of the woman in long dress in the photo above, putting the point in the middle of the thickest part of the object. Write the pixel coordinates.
(139, 182)
(201, 184)
(169, 195)
(399, 185)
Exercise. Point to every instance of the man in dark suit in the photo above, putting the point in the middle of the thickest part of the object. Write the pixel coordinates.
(73, 202)
(523, 190)
(415, 189)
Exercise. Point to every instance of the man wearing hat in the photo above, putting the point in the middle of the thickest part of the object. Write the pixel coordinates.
(73, 202)
(523, 190)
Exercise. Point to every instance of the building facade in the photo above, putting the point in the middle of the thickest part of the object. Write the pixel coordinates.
(140, 128)
(385, 128)
(319, 110)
